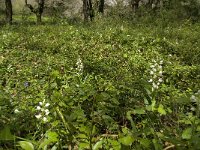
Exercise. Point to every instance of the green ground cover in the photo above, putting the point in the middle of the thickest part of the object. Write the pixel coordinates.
(105, 85)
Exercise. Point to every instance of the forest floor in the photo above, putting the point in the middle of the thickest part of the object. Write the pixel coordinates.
(109, 84)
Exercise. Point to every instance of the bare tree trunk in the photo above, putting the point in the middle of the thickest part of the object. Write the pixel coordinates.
(135, 5)
(37, 11)
(85, 10)
(9, 11)
(88, 10)
(101, 6)
(40, 11)
(91, 11)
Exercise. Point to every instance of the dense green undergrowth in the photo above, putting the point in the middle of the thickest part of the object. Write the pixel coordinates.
(105, 85)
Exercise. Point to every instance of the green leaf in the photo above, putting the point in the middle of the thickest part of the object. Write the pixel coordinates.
(114, 101)
(55, 73)
(198, 128)
(161, 110)
(127, 140)
(26, 145)
(51, 137)
(169, 110)
(94, 130)
(125, 55)
(1, 59)
(5, 134)
(129, 117)
(125, 130)
(153, 104)
(187, 134)
(85, 129)
(145, 142)
(139, 111)
(82, 136)
(98, 145)
(115, 144)
(84, 145)
(44, 143)
(157, 145)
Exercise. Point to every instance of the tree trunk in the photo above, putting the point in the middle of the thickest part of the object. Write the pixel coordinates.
(135, 5)
(40, 11)
(101, 6)
(9, 11)
(37, 11)
(88, 10)
(85, 11)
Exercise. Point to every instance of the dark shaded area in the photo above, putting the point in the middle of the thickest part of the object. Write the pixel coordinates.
(101, 6)
(8, 11)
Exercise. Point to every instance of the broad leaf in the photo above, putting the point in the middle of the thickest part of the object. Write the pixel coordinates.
(139, 111)
(187, 134)
(127, 140)
(161, 110)
(145, 142)
(5, 134)
(98, 145)
(26, 145)
(52, 137)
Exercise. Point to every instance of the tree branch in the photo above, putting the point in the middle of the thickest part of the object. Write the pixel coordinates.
(30, 7)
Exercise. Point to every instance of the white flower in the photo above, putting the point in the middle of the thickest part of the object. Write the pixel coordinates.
(47, 105)
(151, 72)
(155, 86)
(192, 109)
(160, 67)
(160, 80)
(154, 69)
(4, 36)
(150, 80)
(193, 98)
(152, 89)
(47, 111)
(152, 66)
(161, 62)
(38, 116)
(16, 111)
(154, 76)
(160, 73)
(198, 92)
(79, 65)
(44, 119)
(41, 103)
(38, 107)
